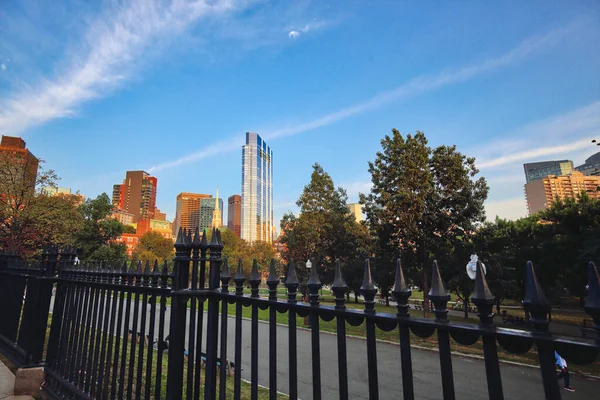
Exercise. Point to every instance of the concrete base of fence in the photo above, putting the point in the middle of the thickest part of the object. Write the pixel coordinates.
(28, 381)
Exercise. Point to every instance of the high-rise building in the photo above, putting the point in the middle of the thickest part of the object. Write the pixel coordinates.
(161, 216)
(187, 213)
(137, 195)
(591, 165)
(124, 217)
(117, 195)
(257, 190)
(207, 212)
(154, 225)
(65, 192)
(217, 218)
(539, 170)
(234, 214)
(19, 166)
(541, 193)
(356, 210)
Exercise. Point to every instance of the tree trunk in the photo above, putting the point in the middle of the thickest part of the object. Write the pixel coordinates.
(355, 297)
(466, 308)
(498, 306)
(347, 296)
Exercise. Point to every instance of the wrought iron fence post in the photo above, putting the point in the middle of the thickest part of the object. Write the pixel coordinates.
(183, 248)
(484, 300)
(592, 306)
(58, 307)
(239, 292)
(36, 309)
(254, 281)
(339, 289)
(291, 283)
(212, 318)
(272, 282)
(369, 291)
(401, 293)
(314, 284)
(440, 298)
(538, 306)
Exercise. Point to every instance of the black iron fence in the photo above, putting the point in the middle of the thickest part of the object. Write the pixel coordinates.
(25, 295)
(109, 330)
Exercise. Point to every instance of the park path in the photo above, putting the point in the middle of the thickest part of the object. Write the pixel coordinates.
(519, 382)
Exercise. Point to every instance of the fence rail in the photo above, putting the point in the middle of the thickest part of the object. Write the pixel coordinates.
(109, 329)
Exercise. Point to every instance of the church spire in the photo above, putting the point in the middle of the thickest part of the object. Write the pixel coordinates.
(216, 219)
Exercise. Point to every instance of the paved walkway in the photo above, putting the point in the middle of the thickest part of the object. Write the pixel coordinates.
(519, 382)
(7, 384)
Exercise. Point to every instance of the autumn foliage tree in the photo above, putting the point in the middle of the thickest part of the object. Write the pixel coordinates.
(153, 246)
(29, 218)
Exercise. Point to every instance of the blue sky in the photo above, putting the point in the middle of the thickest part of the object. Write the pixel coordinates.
(98, 88)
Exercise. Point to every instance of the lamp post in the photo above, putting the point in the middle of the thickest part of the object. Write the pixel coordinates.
(308, 267)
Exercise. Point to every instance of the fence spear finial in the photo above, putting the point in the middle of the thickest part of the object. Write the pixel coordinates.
(368, 289)
(239, 279)
(535, 303)
(400, 291)
(438, 294)
(482, 297)
(339, 287)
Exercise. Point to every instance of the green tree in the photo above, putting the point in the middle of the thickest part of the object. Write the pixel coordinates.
(129, 229)
(96, 239)
(571, 238)
(235, 248)
(325, 229)
(495, 245)
(153, 246)
(421, 201)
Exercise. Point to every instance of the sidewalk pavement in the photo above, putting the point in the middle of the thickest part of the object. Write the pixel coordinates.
(7, 385)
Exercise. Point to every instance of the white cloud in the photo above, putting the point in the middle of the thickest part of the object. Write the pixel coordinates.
(356, 187)
(111, 51)
(217, 148)
(512, 208)
(294, 34)
(535, 153)
(3, 67)
(565, 136)
(414, 87)
(427, 83)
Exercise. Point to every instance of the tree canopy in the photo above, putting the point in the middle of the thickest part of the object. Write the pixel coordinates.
(560, 241)
(96, 239)
(422, 201)
(324, 231)
(153, 246)
(30, 218)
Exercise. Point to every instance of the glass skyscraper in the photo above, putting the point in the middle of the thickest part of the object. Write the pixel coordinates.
(257, 190)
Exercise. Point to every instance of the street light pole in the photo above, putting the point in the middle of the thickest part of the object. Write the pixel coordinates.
(308, 267)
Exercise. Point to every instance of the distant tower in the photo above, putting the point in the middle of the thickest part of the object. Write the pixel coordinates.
(216, 219)
(257, 190)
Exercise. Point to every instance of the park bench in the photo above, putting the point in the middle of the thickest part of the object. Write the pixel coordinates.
(229, 365)
(513, 320)
(138, 338)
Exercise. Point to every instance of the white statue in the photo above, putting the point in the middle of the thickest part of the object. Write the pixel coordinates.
(472, 267)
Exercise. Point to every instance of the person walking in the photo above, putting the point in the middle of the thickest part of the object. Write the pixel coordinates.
(564, 372)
